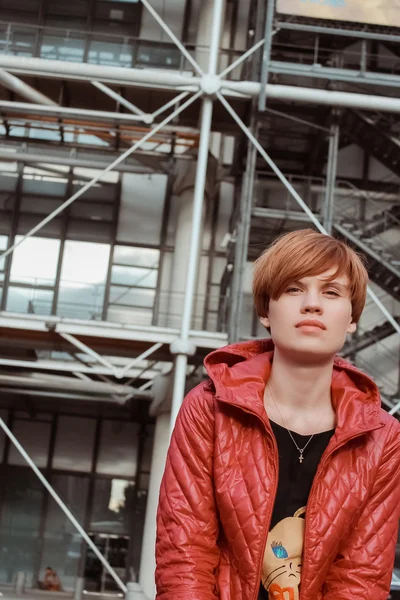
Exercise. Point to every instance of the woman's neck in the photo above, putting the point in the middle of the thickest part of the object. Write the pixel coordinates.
(298, 396)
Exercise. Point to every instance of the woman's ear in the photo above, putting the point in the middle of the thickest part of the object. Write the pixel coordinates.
(265, 321)
(352, 327)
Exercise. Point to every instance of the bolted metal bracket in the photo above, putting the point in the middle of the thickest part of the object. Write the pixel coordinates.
(183, 347)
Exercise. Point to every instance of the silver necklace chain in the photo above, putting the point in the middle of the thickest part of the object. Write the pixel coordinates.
(300, 450)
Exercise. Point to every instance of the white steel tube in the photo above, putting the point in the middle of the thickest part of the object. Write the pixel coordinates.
(63, 111)
(198, 199)
(168, 105)
(61, 504)
(122, 372)
(110, 167)
(118, 98)
(23, 89)
(173, 37)
(86, 350)
(297, 197)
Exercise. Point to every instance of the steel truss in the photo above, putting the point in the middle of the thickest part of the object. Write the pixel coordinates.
(209, 87)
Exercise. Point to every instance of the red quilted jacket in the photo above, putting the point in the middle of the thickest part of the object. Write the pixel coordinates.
(220, 481)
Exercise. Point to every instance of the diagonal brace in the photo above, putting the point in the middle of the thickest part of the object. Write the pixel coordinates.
(121, 372)
(89, 351)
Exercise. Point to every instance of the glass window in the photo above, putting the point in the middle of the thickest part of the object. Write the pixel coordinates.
(134, 276)
(132, 297)
(136, 257)
(74, 444)
(62, 47)
(29, 300)
(34, 436)
(118, 449)
(83, 275)
(62, 543)
(112, 506)
(140, 220)
(35, 261)
(20, 523)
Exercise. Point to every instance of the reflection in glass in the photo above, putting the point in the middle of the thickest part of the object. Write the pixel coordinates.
(29, 300)
(134, 276)
(136, 257)
(62, 543)
(34, 437)
(35, 261)
(118, 449)
(20, 523)
(83, 274)
(74, 444)
(112, 506)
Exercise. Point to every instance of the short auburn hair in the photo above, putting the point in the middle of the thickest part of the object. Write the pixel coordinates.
(304, 253)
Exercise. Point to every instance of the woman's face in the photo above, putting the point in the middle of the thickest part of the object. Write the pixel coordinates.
(311, 318)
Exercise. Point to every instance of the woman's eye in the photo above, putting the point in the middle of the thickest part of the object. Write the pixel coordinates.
(294, 289)
(332, 292)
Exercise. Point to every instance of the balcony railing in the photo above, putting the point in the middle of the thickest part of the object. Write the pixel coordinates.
(79, 46)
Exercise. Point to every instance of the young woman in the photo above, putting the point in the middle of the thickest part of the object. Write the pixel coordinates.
(283, 474)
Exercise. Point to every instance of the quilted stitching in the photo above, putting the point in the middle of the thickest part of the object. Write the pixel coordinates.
(216, 498)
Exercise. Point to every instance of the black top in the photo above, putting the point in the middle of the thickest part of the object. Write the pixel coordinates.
(295, 481)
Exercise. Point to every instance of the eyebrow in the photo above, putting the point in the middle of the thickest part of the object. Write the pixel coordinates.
(327, 282)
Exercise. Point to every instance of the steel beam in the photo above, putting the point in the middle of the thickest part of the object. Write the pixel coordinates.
(108, 330)
(157, 78)
(269, 24)
(328, 208)
(23, 89)
(118, 98)
(198, 199)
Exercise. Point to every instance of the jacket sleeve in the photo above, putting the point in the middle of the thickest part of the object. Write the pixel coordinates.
(364, 564)
(187, 554)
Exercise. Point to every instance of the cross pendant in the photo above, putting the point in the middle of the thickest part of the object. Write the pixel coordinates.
(301, 457)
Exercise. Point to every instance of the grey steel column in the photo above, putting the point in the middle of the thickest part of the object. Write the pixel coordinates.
(242, 240)
(182, 347)
(328, 208)
(269, 24)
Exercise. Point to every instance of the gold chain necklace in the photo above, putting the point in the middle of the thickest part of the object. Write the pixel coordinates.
(301, 450)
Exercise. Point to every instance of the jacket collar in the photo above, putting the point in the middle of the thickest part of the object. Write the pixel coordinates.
(239, 373)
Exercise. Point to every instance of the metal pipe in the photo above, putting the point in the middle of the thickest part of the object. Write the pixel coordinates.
(327, 219)
(242, 239)
(198, 199)
(57, 159)
(23, 89)
(315, 96)
(61, 504)
(157, 78)
(269, 24)
(110, 167)
(118, 98)
(298, 198)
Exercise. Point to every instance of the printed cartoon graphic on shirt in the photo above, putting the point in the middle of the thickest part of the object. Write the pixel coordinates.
(281, 573)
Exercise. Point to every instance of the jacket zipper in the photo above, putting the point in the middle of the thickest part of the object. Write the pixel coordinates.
(310, 497)
(268, 521)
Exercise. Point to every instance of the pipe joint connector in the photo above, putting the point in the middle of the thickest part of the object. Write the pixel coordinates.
(184, 347)
(210, 84)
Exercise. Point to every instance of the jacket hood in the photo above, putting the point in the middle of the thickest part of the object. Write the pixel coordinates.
(240, 371)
